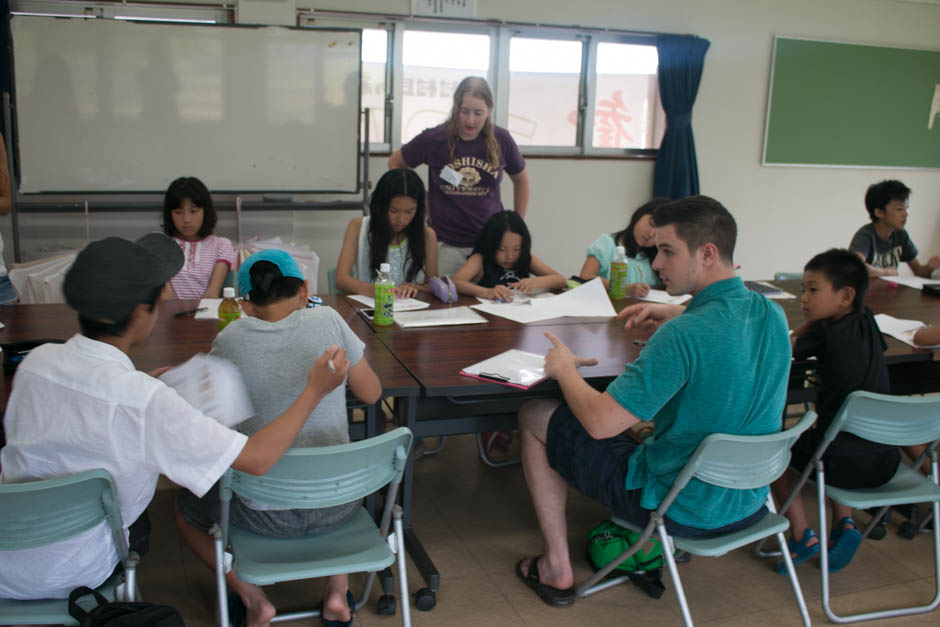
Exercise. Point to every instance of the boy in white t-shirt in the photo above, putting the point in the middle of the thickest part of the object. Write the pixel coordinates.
(82, 405)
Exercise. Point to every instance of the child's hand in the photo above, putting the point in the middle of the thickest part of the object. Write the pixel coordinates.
(500, 292)
(525, 285)
(638, 290)
(405, 290)
(328, 371)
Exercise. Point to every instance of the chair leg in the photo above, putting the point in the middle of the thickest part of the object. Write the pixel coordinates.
(221, 592)
(791, 571)
(674, 572)
(402, 570)
(489, 462)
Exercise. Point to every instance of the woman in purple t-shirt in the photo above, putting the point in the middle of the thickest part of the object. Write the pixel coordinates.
(466, 156)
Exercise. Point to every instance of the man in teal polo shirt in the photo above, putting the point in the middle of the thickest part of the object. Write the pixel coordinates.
(719, 365)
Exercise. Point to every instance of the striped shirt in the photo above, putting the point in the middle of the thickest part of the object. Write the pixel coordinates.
(200, 258)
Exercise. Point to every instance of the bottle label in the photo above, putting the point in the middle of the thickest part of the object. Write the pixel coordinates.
(618, 280)
(384, 304)
(225, 318)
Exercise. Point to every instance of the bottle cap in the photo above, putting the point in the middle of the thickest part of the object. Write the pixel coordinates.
(228, 292)
(385, 267)
(621, 250)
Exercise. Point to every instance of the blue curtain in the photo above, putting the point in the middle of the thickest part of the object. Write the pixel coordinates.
(681, 59)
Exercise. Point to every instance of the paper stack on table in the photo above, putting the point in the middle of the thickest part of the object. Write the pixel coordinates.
(588, 300)
(662, 296)
(401, 304)
(916, 282)
(901, 330)
(439, 317)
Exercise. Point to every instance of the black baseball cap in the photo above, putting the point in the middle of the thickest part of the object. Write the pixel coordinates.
(113, 275)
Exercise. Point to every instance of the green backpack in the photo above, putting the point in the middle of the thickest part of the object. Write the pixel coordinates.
(606, 541)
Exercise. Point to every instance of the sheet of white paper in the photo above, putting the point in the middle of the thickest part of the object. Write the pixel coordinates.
(439, 317)
(214, 386)
(523, 314)
(518, 298)
(662, 296)
(401, 304)
(212, 309)
(901, 330)
(910, 281)
(587, 300)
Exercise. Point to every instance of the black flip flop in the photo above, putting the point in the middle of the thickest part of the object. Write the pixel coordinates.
(351, 602)
(551, 595)
(237, 612)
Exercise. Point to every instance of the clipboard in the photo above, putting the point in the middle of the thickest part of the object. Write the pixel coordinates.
(514, 368)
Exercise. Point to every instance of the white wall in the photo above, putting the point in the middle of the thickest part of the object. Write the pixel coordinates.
(785, 215)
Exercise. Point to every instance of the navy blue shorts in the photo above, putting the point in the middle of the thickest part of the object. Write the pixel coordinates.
(598, 470)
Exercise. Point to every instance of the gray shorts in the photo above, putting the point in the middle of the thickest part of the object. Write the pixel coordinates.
(203, 512)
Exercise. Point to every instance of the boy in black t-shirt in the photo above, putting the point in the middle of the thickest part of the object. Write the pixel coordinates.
(841, 332)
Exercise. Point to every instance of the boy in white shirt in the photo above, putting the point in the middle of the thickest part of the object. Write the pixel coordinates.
(82, 405)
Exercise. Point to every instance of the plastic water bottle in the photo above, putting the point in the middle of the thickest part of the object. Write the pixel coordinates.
(229, 311)
(618, 274)
(384, 296)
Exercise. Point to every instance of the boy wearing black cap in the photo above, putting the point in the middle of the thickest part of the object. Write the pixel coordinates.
(82, 405)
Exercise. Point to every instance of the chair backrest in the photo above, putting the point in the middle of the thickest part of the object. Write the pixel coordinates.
(323, 476)
(38, 513)
(743, 462)
(895, 420)
(788, 276)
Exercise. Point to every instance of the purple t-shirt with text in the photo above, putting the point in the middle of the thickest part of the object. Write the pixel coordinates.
(457, 214)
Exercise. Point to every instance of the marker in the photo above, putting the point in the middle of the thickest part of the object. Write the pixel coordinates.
(329, 364)
(180, 314)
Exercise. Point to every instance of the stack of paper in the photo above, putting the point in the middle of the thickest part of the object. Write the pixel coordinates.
(916, 282)
(902, 330)
(401, 304)
(662, 296)
(588, 300)
(439, 317)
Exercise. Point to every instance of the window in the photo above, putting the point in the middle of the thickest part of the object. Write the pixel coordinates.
(434, 64)
(374, 60)
(627, 111)
(544, 84)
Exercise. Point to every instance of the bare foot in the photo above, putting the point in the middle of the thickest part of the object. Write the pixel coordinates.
(260, 611)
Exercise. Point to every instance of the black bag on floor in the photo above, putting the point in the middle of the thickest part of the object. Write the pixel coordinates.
(121, 613)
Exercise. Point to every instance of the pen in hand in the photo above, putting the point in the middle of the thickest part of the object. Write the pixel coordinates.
(329, 364)
(180, 314)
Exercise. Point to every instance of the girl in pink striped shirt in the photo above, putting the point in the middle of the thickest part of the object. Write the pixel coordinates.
(189, 217)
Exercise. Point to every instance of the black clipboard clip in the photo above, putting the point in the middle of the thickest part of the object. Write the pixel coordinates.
(494, 377)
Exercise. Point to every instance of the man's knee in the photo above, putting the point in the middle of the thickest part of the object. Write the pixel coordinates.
(534, 416)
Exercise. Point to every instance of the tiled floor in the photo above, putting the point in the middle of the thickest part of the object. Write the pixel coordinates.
(476, 522)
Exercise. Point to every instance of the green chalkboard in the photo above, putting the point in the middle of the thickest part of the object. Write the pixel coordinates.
(836, 104)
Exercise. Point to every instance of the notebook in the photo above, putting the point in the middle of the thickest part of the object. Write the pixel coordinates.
(515, 368)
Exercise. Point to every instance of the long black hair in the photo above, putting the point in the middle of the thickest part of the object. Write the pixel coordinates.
(489, 239)
(402, 182)
(626, 238)
(194, 189)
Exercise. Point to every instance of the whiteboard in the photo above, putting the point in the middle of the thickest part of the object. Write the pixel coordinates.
(117, 106)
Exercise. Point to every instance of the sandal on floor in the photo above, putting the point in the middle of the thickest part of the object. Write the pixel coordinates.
(237, 612)
(555, 597)
(351, 602)
(799, 551)
(845, 539)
